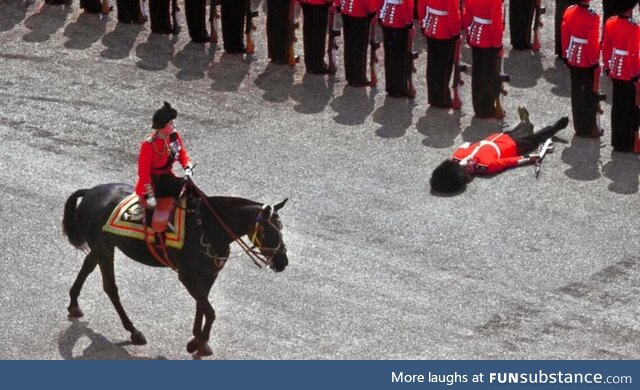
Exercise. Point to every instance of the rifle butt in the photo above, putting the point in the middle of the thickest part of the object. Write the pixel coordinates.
(106, 7)
(636, 142)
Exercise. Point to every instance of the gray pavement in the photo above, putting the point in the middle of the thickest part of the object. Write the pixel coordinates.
(513, 268)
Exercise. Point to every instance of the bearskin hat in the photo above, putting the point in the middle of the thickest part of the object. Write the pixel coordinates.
(449, 177)
(621, 6)
(163, 116)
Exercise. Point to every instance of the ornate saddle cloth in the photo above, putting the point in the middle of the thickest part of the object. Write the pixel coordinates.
(126, 220)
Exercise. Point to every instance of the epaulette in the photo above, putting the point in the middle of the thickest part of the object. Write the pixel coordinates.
(150, 138)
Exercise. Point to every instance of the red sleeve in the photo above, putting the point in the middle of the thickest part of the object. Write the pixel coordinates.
(565, 33)
(372, 6)
(594, 40)
(606, 44)
(183, 157)
(144, 167)
(497, 19)
(336, 3)
(422, 11)
(634, 46)
(501, 164)
(408, 12)
(467, 16)
(455, 19)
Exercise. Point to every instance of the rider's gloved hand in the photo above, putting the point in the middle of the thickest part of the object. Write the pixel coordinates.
(151, 201)
(188, 171)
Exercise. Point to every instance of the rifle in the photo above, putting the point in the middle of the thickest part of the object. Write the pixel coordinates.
(500, 114)
(374, 56)
(411, 90)
(213, 15)
(546, 147)
(249, 28)
(332, 46)
(636, 139)
(106, 7)
(142, 14)
(537, 24)
(600, 97)
(293, 59)
(458, 68)
(174, 17)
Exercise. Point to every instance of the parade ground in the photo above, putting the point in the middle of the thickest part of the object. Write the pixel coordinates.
(379, 267)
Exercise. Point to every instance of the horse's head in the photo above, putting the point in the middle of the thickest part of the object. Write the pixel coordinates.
(266, 235)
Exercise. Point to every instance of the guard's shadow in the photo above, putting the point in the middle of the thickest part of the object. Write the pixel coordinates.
(479, 129)
(85, 31)
(156, 53)
(98, 348)
(559, 77)
(120, 41)
(276, 82)
(193, 61)
(44, 23)
(583, 158)
(313, 94)
(13, 12)
(228, 73)
(354, 105)
(623, 171)
(524, 67)
(440, 127)
(395, 116)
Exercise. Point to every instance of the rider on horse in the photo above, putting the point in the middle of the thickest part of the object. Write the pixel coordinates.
(157, 184)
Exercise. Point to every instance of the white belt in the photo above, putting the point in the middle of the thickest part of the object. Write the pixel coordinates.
(393, 2)
(619, 52)
(480, 145)
(581, 41)
(481, 20)
(436, 12)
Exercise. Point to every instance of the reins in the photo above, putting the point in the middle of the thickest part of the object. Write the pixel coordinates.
(257, 258)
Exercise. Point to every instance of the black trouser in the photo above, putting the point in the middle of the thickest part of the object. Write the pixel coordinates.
(160, 15)
(196, 13)
(233, 14)
(167, 186)
(314, 31)
(91, 6)
(561, 6)
(584, 102)
(520, 22)
(129, 11)
(356, 42)
(440, 53)
(279, 27)
(526, 140)
(485, 81)
(396, 60)
(624, 115)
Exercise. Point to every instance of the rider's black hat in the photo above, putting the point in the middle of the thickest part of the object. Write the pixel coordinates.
(163, 116)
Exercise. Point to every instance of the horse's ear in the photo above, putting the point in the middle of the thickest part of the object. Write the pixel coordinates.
(266, 212)
(280, 205)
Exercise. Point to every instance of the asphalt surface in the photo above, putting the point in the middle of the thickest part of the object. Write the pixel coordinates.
(512, 268)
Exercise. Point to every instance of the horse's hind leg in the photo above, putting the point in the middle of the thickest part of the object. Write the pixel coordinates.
(109, 284)
(90, 262)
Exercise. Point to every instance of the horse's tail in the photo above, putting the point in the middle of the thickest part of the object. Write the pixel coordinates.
(69, 225)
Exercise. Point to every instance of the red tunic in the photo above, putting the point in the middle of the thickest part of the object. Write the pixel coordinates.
(580, 36)
(620, 45)
(483, 20)
(156, 158)
(396, 13)
(440, 19)
(495, 153)
(357, 8)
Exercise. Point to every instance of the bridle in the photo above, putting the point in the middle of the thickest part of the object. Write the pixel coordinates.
(261, 255)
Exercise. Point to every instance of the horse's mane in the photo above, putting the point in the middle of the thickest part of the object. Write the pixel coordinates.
(230, 202)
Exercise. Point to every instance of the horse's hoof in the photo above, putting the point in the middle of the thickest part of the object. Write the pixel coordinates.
(137, 338)
(192, 345)
(75, 312)
(205, 350)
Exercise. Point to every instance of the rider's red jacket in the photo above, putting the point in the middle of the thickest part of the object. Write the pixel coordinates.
(157, 157)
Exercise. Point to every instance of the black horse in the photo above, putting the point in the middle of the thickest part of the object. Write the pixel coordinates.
(207, 243)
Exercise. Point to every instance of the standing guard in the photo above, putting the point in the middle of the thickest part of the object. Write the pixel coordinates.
(280, 31)
(561, 7)
(484, 22)
(521, 22)
(196, 13)
(163, 16)
(620, 46)
(356, 22)
(234, 15)
(581, 53)
(396, 18)
(440, 22)
(131, 11)
(315, 15)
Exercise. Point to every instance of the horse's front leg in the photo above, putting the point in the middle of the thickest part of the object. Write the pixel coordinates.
(199, 343)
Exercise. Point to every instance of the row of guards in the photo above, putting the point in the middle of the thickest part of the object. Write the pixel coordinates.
(445, 24)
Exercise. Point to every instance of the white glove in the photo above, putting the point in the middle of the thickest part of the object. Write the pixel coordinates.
(188, 171)
(151, 201)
